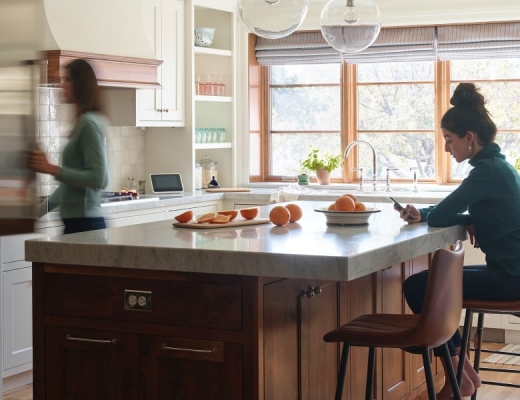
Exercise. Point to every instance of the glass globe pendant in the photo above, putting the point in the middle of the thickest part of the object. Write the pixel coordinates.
(272, 19)
(350, 26)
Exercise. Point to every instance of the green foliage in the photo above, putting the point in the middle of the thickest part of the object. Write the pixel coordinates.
(314, 160)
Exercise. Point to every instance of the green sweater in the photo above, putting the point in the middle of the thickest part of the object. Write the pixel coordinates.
(83, 171)
(491, 196)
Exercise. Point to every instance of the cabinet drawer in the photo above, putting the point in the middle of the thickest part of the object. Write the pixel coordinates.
(208, 305)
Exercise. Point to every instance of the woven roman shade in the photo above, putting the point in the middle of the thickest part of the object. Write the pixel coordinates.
(464, 42)
(297, 48)
(398, 45)
(392, 44)
(403, 44)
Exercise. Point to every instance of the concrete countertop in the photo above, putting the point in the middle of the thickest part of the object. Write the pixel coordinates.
(307, 249)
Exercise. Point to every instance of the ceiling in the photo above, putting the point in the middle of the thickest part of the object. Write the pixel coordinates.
(426, 12)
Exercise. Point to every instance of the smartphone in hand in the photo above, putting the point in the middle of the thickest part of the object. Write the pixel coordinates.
(400, 207)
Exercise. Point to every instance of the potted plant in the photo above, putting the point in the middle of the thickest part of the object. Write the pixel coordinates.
(323, 165)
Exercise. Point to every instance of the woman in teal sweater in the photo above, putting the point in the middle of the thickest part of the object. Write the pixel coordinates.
(487, 203)
(83, 171)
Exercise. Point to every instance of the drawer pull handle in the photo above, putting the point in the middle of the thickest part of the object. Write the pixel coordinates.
(212, 351)
(76, 339)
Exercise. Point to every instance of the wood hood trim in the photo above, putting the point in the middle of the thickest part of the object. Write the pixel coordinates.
(113, 71)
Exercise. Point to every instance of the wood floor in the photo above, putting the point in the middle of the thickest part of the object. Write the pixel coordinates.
(486, 392)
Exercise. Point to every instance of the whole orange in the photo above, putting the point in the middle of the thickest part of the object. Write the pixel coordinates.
(351, 196)
(360, 206)
(345, 203)
(332, 207)
(279, 215)
(249, 213)
(296, 212)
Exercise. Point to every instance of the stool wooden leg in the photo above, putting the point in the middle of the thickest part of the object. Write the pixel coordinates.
(464, 345)
(370, 373)
(478, 346)
(428, 373)
(450, 373)
(342, 371)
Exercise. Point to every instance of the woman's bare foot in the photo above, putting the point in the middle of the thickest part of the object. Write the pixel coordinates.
(470, 380)
(471, 374)
(467, 389)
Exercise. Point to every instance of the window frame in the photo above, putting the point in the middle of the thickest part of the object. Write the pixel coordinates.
(349, 124)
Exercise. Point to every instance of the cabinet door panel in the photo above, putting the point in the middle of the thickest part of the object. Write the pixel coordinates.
(179, 369)
(298, 364)
(17, 320)
(149, 100)
(319, 359)
(281, 339)
(84, 364)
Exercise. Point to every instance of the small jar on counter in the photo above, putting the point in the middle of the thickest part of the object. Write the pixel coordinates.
(209, 170)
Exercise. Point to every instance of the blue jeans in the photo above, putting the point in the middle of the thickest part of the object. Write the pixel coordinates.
(74, 225)
(478, 282)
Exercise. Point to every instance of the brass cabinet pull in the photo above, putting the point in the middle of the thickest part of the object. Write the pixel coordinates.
(212, 351)
(102, 341)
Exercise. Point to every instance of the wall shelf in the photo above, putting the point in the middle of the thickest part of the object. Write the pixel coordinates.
(210, 51)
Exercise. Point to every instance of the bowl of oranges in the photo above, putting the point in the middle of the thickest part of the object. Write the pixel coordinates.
(347, 210)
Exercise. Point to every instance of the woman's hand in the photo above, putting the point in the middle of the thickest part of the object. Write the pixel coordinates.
(409, 214)
(471, 233)
(37, 161)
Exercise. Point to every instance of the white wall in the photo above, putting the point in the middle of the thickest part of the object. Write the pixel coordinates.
(422, 12)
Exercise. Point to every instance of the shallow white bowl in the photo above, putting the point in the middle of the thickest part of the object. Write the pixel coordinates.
(347, 217)
(204, 36)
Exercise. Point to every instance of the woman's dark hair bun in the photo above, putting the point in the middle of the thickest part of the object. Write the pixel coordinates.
(467, 95)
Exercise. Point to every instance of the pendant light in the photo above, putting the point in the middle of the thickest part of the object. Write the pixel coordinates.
(350, 26)
(272, 19)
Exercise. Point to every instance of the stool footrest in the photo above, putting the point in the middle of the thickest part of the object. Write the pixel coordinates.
(506, 353)
(512, 385)
(509, 371)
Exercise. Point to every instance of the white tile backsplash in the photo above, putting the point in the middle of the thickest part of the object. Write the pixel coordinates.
(125, 144)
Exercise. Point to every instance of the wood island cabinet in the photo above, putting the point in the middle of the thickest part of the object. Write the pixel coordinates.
(207, 336)
(297, 313)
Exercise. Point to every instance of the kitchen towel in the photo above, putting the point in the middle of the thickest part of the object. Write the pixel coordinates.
(287, 193)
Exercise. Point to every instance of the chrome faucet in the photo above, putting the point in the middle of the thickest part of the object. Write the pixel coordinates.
(374, 159)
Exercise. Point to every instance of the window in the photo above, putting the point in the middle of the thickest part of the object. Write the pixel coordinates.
(500, 84)
(391, 95)
(305, 109)
(395, 113)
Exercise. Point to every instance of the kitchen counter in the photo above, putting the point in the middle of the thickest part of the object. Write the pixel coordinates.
(166, 308)
(259, 195)
(306, 249)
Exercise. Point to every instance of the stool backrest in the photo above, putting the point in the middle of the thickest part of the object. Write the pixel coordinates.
(442, 307)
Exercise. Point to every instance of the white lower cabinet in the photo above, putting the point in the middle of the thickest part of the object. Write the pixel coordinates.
(17, 318)
(115, 221)
(197, 210)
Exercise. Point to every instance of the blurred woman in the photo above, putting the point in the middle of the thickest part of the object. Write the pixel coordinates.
(83, 171)
(486, 203)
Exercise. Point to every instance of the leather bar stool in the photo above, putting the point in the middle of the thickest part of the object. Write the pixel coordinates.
(482, 307)
(436, 324)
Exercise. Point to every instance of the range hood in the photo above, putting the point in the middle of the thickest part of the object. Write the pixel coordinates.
(108, 33)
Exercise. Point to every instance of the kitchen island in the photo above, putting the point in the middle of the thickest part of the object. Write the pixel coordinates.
(155, 312)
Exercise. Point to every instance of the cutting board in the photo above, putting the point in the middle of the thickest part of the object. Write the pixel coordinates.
(221, 190)
(230, 224)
